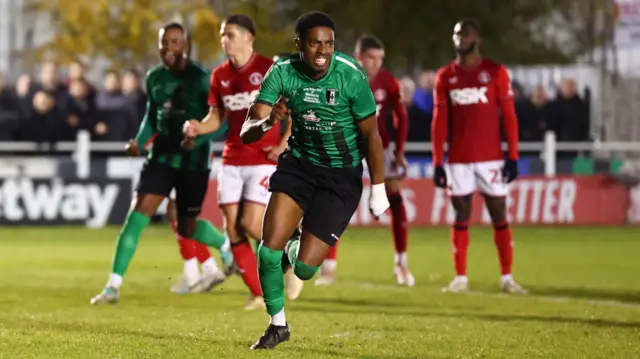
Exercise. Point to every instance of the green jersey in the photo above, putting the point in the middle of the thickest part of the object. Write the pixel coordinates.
(172, 99)
(325, 112)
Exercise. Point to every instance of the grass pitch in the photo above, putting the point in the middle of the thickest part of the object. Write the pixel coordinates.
(584, 301)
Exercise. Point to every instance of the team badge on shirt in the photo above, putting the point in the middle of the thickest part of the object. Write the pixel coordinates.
(255, 78)
(484, 77)
(332, 96)
(380, 95)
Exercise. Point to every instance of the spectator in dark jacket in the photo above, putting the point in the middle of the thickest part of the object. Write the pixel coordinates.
(9, 112)
(136, 98)
(533, 115)
(50, 82)
(77, 72)
(46, 120)
(116, 122)
(82, 113)
(570, 114)
(419, 121)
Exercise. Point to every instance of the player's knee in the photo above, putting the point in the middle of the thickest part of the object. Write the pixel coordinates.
(497, 208)
(303, 270)
(463, 213)
(186, 226)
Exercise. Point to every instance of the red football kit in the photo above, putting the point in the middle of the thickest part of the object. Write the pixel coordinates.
(234, 89)
(467, 104)
(386, 91)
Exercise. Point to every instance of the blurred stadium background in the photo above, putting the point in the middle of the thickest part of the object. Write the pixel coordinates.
(71, 95)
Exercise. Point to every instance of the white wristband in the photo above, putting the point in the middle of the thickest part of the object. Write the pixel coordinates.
(378, 190)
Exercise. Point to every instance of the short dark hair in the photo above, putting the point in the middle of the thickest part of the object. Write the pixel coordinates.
(243, 21)
(472, 24)
(366, 42)
(174, 26)
(313, 19)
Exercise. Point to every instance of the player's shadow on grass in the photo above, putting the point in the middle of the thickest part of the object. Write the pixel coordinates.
(376, 303)
(587, 293)
(375, 310)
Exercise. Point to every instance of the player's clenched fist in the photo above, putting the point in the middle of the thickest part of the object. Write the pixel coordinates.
(190, 129)
(132, 148)
(280, 111)
(439, 177)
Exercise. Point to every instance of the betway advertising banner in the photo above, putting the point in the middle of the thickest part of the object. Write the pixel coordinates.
(93, 203)
(572, 200)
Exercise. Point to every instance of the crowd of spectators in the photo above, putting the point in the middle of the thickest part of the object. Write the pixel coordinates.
(54, 107)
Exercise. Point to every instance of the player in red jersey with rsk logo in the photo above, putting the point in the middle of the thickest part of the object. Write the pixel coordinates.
(470, 95)
(386, 90)
(244, 175)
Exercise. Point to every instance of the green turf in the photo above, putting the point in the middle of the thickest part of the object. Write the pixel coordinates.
(585, 300)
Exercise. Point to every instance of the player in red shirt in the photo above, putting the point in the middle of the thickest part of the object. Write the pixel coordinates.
(470, 95)
(244, 175)
(369, 52)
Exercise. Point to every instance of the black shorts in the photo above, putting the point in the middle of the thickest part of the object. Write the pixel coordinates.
(191, 186)
(328, 196)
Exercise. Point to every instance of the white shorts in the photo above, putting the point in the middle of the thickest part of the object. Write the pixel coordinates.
(486, 177)
(391, 172)
(244, 183)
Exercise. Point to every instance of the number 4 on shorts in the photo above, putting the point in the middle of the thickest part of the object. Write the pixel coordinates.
(264, 182)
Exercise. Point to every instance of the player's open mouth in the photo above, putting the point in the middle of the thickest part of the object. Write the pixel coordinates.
(169, 57)
(320, 61)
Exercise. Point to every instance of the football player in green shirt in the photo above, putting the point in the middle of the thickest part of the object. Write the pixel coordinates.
(319, 176)
(177, 91)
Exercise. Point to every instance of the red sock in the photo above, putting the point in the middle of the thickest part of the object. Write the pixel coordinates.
(202, 251)
(333, 252)
(190, 248)
(459, 244)
(398, 222)
(248, 266)
(504, 242)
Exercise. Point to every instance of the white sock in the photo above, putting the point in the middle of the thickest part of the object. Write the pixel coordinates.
(330, 264)
(191, 270)
(462, 278)
(227, 243)
(279, 319)
(401, 259)
(506, 278)
(210, 266)
(115, 281)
